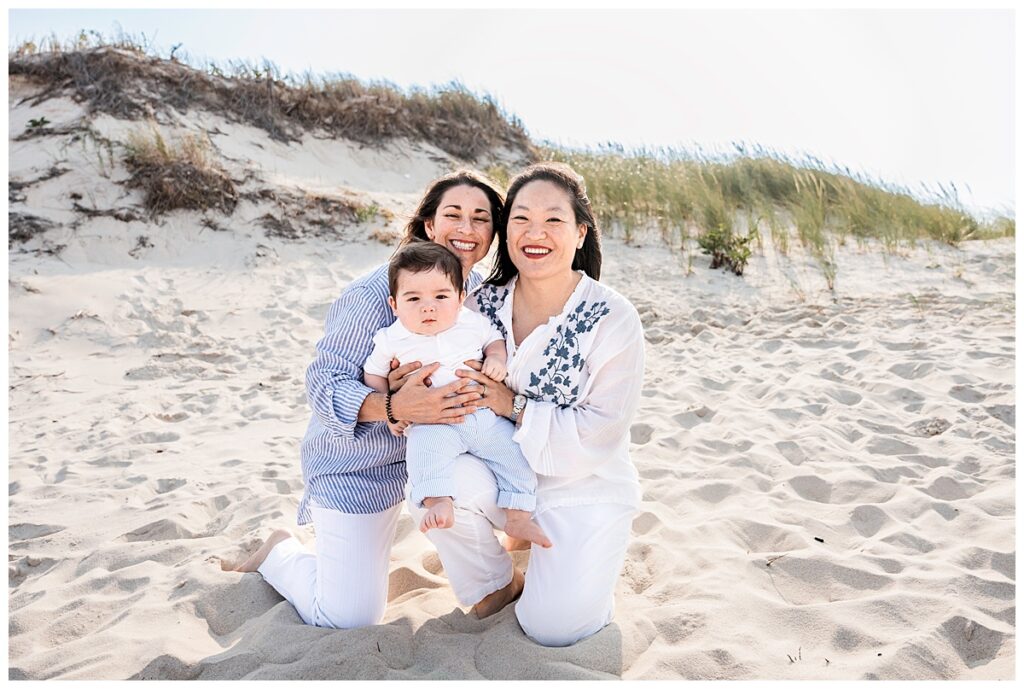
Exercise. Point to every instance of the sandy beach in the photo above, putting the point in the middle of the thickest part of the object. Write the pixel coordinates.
(828, 477)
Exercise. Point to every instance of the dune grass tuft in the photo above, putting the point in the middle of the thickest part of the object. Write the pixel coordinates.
(177, 175)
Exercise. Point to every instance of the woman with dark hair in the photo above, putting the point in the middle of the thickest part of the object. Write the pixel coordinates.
(575, 371)
(353, 466)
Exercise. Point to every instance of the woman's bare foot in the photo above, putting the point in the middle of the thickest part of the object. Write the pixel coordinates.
(493, 602)
(520, 527)
(257, 558)
(440, 514)
(514, 544)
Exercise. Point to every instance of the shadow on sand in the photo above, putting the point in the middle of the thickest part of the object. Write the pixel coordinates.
(264, 638)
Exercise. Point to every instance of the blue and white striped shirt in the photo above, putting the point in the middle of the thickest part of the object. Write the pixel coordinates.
(356, 468)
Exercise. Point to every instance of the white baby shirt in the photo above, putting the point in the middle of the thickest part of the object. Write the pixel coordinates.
(465, 340)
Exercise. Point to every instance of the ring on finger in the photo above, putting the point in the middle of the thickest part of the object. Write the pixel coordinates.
(483, 393)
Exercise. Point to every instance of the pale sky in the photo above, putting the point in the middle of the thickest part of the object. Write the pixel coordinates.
(908, 96)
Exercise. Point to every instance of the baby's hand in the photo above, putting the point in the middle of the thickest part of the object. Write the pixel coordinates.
(494, 369)
(398, 429)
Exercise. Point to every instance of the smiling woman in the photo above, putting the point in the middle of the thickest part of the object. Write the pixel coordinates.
(575, 351)
(353, 465)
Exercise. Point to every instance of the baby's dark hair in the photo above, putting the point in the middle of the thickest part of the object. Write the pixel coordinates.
(419, 256)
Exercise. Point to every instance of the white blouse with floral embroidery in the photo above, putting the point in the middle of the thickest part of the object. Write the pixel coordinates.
(582, 372)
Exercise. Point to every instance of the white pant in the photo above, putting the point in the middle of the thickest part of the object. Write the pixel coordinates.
(345, 585)
(570, 587)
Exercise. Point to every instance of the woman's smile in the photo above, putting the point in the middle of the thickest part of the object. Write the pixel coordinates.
(462, 245)
(534, 252)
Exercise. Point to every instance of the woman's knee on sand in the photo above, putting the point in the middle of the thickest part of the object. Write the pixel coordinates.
(344, 612)
(564, 621)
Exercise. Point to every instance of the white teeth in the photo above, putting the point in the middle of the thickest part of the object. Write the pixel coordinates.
(538, 252)
(463, 246)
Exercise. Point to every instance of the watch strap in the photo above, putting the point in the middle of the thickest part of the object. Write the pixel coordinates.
(518, 404)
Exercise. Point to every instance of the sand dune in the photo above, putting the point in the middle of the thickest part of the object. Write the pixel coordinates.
(828, 484)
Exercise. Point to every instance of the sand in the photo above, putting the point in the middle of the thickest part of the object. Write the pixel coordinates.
(828, 477)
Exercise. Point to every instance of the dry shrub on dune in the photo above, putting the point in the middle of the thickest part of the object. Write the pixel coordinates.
(124, 81)
(177, 176)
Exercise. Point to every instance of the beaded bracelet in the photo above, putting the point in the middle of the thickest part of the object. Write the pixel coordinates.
(387, 409)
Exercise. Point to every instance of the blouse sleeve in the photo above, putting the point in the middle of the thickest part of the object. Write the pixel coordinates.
(334, 381)
(573, 441)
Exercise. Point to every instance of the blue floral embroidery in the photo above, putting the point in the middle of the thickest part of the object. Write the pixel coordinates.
(552, 383)
(490, 299)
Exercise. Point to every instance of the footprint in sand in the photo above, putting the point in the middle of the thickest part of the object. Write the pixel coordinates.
(912, 370)
(793, 453)
(1004, 412)
(812, 488)
(171, 418)
(677, 626)
(689, 419)
(880, 445)
(965, 393)
(945, 488)
(804, 581)
(25, 532)
(975, 643)
(758, 537)
(715, 492)
(645, 523)
(849, 639)
(166, 485)
(404, 580)
(946, 511)
(910, 542)
(847, 397)
(152, 438)
(868, 519)
(982, 558)
(161, 530)
(640, 433)
(888, 565)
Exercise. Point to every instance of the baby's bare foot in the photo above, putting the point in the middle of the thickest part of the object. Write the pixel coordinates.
(440, 514)
(520, 527)
(252, 563)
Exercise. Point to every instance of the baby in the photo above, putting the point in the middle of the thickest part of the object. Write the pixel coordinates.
(425, 280)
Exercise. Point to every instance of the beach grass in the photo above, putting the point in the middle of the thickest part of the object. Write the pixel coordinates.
(107, 75)
(177, 174)
(676, 190)
(676, 193)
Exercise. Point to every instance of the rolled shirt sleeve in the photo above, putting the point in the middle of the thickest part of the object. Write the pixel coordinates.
(334, 381)
(574, 441)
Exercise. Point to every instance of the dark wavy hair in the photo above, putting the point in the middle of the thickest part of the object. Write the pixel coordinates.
(415, 229)
(418, 256)
(587, 258)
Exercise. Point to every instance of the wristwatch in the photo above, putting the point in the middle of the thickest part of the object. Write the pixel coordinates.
(518, 404)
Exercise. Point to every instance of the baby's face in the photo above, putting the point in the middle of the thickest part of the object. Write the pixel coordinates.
(427, 302)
